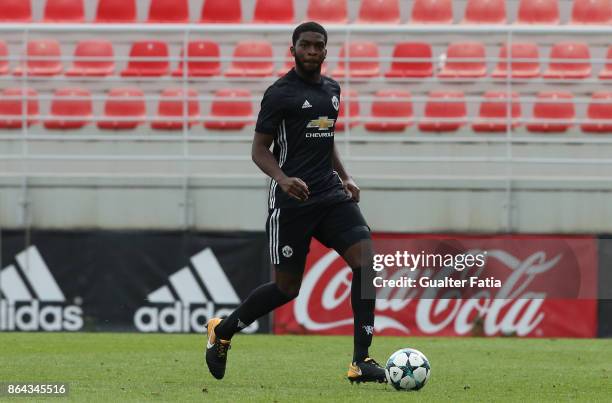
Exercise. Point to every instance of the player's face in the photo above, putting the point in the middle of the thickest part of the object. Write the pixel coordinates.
(309, 51)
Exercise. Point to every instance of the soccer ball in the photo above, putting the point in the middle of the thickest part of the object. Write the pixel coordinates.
(407, 369)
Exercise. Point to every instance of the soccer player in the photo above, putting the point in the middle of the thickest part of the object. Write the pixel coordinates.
(311, 194)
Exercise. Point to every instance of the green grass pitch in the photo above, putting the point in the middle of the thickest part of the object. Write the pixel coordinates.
(136, 367)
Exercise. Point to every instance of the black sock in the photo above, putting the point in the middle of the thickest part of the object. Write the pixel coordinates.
(261, 301)
(363, 314)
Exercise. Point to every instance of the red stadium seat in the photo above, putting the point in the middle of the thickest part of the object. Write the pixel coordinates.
(606, 72)
(123, 104)
(221, 11)
(406, 68)
(353, 111)
(116, 11)
(274, 11)
(573, 51)
(538, 12)
(432, 12)
(43, 58)
(358, 68)
(552, 112)
(71, 108)
(455, 67)
(485, 12)
(155, 50)
(519, 69)
(226, 105)
(599, 113)
(394, 104)
(327, 11)
(4, 63)
(11, 107)
(379, 12)
(242, 66)
(169, 11)
(591, 12)
(93, 58)
(72, 11)
(203, 68)
(438, 109)
(15, 11)
(493, 113)
(170, 111)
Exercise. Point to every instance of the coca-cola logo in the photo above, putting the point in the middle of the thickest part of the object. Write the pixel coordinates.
(515, 308)
(331, 296)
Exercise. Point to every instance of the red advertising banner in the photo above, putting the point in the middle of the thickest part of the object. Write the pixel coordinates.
(548, 267)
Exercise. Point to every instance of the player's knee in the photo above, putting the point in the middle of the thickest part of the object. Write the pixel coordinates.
(367, 260)
(363, 264)
(290, 289)
(288, 284)
(360, 254)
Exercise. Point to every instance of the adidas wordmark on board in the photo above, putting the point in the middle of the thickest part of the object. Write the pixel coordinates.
(179, 315)
(43, 308)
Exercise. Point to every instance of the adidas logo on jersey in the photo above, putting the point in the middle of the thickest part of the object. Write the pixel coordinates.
(306, 105)
(194, 295)
(31, 299)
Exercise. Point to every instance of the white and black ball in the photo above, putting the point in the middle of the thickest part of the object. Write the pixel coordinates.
(407, 369)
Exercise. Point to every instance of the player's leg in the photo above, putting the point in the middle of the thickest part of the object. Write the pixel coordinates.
(359, 257)
(345, 230)
(289, 266)
(262, 300)
(363, 368)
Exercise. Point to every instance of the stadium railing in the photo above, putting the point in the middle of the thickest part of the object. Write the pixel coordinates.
(395, 154)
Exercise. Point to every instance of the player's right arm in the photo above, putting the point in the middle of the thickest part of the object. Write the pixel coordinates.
(269, 119)
(264, 159)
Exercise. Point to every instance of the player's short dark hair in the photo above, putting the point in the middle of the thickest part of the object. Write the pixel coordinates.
(309, 26)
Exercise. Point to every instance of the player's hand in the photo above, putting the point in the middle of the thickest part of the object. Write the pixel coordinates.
(351, 187)
(295, 187)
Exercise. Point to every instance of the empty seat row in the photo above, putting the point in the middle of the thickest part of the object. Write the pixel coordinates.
(446, 111)
(231, 109)
(569, 60)
(125, 108)
(147, 58)
(324, 11)
(108, 11)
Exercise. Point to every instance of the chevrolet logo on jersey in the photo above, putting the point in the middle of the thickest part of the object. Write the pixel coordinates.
(323, 123)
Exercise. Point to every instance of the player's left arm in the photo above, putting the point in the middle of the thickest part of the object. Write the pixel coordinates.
(347, 180)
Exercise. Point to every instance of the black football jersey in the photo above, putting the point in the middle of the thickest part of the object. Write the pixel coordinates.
(302, 116)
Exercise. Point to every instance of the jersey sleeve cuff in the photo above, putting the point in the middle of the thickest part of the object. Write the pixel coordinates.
(265, 130)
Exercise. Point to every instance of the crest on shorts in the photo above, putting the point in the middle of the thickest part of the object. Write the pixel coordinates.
(335, 102)
(287, 251)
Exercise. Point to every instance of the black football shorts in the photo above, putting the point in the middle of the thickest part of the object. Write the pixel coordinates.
(337, 225)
